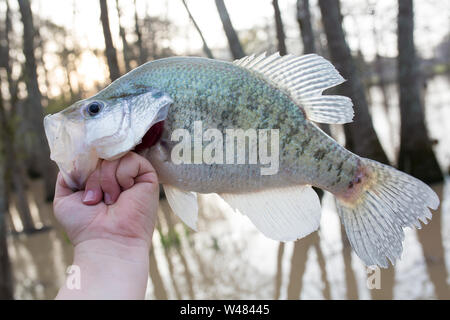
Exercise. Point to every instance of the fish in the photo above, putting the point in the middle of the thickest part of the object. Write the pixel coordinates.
(162, 108)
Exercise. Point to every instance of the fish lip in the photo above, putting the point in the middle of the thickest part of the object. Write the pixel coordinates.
(74, 158)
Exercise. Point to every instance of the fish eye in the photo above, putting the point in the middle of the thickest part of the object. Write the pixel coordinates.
(93, 108)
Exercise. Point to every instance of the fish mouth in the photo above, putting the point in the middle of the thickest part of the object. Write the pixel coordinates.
(151, 137)
(66, 139)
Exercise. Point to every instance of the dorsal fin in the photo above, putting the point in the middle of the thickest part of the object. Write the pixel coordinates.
(304, 78)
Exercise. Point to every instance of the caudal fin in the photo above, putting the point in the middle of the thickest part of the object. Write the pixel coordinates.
(376, 213)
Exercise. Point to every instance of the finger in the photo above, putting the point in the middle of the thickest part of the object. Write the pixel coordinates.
(93, 192)
(135, 169)
(108, 182)
(61, 188)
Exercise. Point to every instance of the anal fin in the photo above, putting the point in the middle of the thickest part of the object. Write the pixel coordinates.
(282, 214)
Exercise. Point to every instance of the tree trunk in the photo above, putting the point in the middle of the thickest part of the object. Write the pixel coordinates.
(307, 33)
(13, 85)
(433, 250)
(323, 268)
(379, 70)
(281, 37)
(39, 153)
(206, 49)
(40, 59)
(360, 134)
(350, 278)
(279, 274)
(416, 154)
(158, 284)
(125, 47)
(6, 286)
(137, 29)
(6, 283)
(187, 271)
(168, 256)
(301, 249)
(110, 51)
(306, 30)
(15, 173)
(298, 266)
(64, 56)
(233, 40)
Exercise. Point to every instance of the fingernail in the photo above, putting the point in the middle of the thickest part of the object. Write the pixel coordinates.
(89, 196)
(108, 199)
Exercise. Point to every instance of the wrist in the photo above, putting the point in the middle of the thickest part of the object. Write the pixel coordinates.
(109, 269)
(132, 251)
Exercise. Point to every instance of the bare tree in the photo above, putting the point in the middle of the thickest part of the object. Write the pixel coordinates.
(306, 30)
(39, 152)
(298, 266)
(379, 69)
(110, 51)
(137, 29)
(6, 286)
(15, 174)
(416, 154)
(279, 274)
(350, 278)
(281, 37)
(158, 284)
(301, 247)
(125, 47)
(206, 49)
(233, 40)
(360, 134)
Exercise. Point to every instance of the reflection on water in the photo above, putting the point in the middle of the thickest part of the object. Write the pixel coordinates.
(229, 259)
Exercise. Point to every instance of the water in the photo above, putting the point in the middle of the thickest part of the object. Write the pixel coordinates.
(229, 259)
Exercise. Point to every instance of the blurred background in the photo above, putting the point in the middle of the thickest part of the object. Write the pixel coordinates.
(394, 54)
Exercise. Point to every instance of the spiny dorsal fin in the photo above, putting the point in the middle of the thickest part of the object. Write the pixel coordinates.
(304, 78)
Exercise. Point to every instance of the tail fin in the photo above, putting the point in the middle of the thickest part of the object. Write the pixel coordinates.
(374, 217)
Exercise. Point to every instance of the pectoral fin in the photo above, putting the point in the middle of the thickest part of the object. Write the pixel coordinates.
(184, 204)
(282, 214)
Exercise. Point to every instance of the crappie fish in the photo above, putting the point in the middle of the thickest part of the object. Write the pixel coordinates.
(143, 109)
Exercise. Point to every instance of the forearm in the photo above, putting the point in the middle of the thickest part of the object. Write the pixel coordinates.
(108, 270)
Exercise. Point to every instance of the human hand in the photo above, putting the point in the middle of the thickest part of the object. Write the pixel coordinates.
(119, 203)
(110, 224)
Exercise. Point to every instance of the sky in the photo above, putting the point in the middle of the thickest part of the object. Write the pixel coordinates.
(432, 19)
